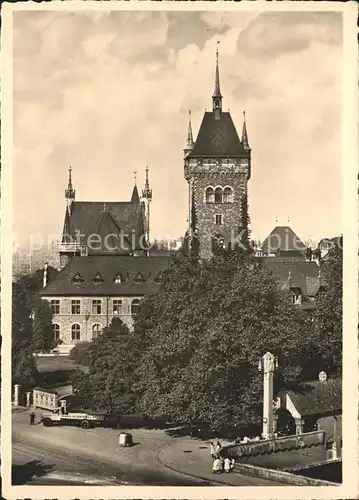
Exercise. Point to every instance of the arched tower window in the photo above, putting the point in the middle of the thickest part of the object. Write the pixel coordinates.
(75, 332)
(135, 306)
(56, 331)
(218, 195)
(96, 330)
(228, 195)
(209, 195)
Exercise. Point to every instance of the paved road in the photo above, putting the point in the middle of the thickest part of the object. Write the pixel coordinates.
(64, 455)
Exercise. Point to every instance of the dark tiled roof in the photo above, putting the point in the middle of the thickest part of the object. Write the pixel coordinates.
(318, 398)
(108, 267)
(283, 239)
(135, 197)
(218, 138)
(303, 274)
(86, 215)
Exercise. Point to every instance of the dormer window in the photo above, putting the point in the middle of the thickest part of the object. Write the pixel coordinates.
(118, 278)
(138, 278)
(77, 279)
(97, 278)
(158, 279)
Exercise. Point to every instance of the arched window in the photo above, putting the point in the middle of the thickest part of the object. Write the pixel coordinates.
(96, 330)
(227, 195)
(218, 195)
(75, 332)
(209, 195)
(135, 306)
(56, 331)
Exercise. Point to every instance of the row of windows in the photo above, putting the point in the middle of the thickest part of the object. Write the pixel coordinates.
(96, 306)
(219, 195)
(118, 278)
(76, 331)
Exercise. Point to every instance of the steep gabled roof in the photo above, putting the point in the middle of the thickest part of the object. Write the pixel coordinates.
(135, 196)
(108, 267)
(218, 137)
(283, 239)
(107, 236)
(318, 398)
(303, 274)
(87, 215)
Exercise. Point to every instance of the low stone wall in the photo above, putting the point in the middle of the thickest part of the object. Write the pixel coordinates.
(276, 445)
(281, 476)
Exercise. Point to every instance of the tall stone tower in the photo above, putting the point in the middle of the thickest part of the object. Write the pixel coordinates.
(217, 166)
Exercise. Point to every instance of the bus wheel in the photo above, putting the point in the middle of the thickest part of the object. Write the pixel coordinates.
(85, 424)
(47, 422)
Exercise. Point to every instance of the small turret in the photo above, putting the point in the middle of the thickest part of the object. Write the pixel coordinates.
(189, 141)
(147, 198)
(217, 96)
(70, 192)
(244, 134)
(135, 197)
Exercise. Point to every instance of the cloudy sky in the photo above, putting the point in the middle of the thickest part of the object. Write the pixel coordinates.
(109, 93)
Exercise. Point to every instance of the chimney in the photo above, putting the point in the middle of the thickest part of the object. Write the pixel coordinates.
(44, 282)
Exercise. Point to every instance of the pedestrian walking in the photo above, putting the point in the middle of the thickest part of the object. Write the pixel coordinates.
(227, 464)
(32, 418)
(218, 448)
(232, 463)
(211, 447)
(217, 465)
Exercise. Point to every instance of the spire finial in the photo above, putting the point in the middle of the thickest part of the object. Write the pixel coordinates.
(189, 141)
(217, 96)
(70, 192)
(244, 133)
(135, 177)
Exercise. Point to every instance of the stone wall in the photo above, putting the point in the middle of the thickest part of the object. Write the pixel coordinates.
(86, 319)
(217, 173)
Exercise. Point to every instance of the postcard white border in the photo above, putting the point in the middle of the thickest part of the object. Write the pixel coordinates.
(349, 487)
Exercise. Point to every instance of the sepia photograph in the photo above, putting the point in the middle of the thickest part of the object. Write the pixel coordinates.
(176, 188)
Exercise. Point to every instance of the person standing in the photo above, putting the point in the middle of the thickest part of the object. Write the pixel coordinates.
(227, 464)
(32, 418)
(218, 447)
(217, 465)
(211, 446)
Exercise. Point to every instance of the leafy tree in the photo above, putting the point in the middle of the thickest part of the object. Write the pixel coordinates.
(31, 326)
(327, 327)
(205, 331)
(110, 361)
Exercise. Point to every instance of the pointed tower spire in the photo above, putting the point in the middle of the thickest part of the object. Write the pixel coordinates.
(217, 96)
(70, 192)
(135, 197)
(189, 141)
(147, 197)
(244, 134)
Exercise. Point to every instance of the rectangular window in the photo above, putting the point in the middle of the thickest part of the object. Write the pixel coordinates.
(76, 306)
(117, 306)
(96, 306)
(55, 306)
(218, 219)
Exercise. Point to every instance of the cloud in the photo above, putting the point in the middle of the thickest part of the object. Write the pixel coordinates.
(109, 94)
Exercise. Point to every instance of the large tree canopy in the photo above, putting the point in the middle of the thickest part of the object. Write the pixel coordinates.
(327, 324)
(205, 331)
(111, 360)
(31, 327)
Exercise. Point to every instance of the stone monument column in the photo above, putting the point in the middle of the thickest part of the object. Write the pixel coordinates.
(16, 394)
(28, 397)
(268, 363)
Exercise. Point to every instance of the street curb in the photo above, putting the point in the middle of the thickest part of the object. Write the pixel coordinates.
(218, 483)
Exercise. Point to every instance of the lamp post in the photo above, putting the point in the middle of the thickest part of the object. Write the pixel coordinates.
(268, 363)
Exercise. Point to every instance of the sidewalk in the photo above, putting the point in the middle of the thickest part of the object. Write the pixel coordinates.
(192, 457)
